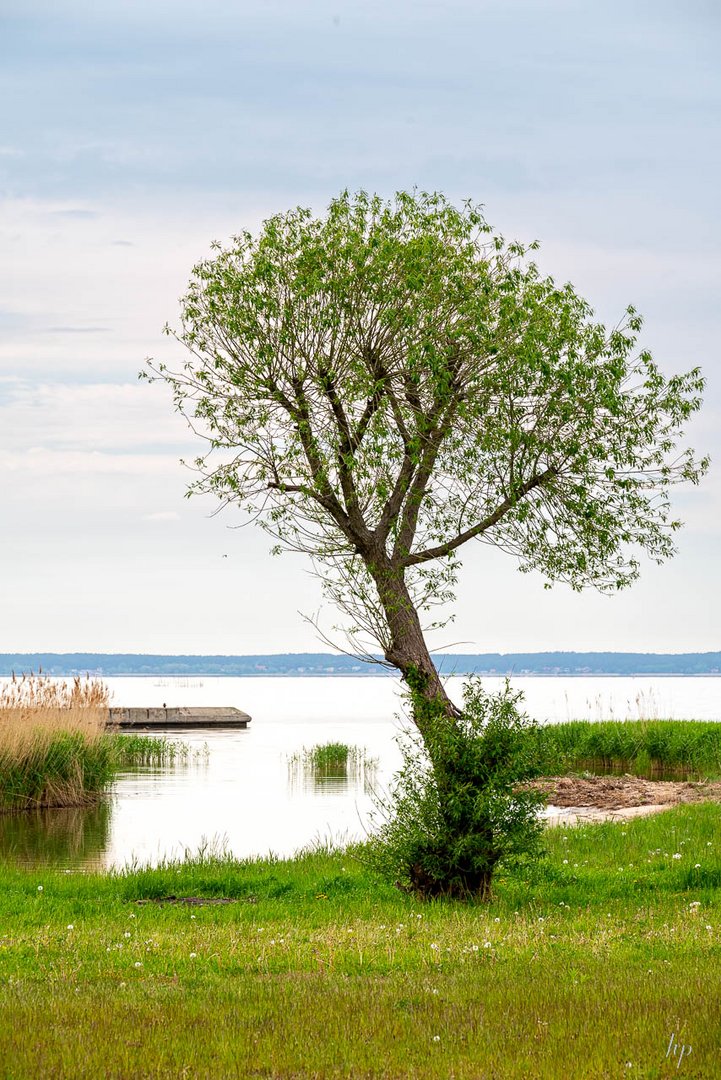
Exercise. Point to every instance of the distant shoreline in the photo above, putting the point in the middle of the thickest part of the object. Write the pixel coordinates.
(330, 665)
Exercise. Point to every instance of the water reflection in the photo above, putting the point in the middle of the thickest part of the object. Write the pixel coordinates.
(74, 837)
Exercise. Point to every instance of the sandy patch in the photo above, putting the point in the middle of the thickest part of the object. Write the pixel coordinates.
(606, 798)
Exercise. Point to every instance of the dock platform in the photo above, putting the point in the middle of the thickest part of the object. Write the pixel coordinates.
(191, 716)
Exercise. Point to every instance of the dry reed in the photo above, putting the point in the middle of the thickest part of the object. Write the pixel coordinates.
(52, 751)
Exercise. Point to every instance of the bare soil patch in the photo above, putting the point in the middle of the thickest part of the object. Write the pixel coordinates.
(620, 792)
(602, 798)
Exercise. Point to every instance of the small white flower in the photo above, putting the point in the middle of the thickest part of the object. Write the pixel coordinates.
(496, 920)
(126, 934)
(436, 1038)
(486, 945)
(70, 926)
(565, 862)
(434, 990)
(131, 916)
(193, 955)
(433, 945)
(137, 964)
(709, 927)
(697, 866)
(40, 888)
(677, 855)
(193, 916)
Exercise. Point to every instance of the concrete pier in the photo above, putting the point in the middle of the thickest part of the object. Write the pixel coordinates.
(192, 716)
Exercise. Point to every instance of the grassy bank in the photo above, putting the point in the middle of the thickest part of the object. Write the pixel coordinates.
(642, 747)
(584, 965)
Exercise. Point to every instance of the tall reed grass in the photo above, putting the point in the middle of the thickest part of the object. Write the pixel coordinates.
(645, 747)
(53, 749)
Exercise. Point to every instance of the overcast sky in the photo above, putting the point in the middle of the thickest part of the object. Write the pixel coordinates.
(134, 133)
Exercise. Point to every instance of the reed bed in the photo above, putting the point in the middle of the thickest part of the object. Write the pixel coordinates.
(53, 749)
(684, 748)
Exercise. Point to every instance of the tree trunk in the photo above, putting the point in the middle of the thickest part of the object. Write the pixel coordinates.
(407, 649)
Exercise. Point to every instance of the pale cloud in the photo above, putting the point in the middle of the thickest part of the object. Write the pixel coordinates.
(162, 515)
(46, 464)
(135, 132)
(104, 417)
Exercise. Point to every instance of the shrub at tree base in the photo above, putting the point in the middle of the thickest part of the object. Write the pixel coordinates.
(455, 811)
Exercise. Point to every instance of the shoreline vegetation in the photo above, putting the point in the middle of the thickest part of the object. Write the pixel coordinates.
(332, 664)
(588, 963)
(315, 966)
(683, 749)
(55, 750)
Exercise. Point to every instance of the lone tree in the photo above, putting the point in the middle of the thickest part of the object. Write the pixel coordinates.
(386, 383)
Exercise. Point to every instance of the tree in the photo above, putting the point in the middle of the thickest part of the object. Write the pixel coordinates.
(384, 384)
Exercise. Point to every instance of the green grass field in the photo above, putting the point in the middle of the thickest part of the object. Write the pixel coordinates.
(584, 965)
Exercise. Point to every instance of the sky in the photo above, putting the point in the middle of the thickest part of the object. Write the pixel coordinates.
(133, 134)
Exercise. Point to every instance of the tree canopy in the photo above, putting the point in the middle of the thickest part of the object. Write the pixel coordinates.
(386, 382)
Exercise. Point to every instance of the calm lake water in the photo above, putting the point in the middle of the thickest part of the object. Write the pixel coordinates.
(244, 793)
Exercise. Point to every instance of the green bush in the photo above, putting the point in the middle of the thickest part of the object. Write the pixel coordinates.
(455, 811)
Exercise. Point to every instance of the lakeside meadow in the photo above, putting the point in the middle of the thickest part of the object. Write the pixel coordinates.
(590, 963)
(598, 959)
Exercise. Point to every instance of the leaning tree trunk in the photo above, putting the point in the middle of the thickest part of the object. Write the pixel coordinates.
(436, 718)
(407, 650)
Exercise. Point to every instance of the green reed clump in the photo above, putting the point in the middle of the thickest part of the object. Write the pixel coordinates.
(645, 747)
(133, 749)
(333, 759)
